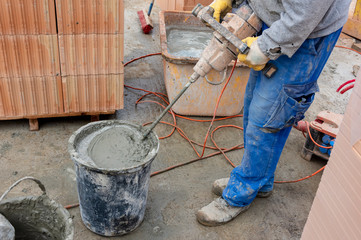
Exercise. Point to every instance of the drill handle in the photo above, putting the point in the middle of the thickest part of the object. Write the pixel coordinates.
(206, 15)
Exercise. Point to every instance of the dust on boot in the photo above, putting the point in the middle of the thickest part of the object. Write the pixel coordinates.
(218, 212)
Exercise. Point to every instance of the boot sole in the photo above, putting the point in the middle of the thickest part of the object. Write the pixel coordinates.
(215, 224)
(259, 195)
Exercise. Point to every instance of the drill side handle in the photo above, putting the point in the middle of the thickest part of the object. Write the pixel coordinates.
(205, 14)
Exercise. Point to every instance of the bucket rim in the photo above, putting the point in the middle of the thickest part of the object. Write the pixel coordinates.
(45, 201)
(78, 160)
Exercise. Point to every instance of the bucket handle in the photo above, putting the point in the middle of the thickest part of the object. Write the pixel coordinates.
(41, 186)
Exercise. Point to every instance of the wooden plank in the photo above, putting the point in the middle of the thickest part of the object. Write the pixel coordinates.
(58, 115)
(352, 28)
(353, 25)
(34, 124)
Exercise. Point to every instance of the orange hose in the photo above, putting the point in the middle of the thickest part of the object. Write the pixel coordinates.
(216, 108)
(71, 206)
(204, 146)
(348, 49)
(304, 178)
(191, 142)
(309, 134)
(135, 59)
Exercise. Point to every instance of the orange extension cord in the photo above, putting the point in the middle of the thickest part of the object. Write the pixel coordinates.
(204, 146)
(193, 143)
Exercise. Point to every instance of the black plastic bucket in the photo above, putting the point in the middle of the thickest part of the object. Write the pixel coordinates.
(112, 201)
(37, 217)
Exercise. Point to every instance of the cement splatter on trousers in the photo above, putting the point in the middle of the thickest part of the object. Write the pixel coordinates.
(271, 107)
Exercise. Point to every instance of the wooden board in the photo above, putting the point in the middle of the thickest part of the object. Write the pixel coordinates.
(353, 25)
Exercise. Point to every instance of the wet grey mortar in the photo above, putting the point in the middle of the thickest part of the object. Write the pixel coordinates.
(115, 147)
(112, 145)
(187, 41)
(7, 231)
(38, 218)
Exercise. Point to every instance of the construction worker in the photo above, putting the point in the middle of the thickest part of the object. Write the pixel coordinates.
(298, 38)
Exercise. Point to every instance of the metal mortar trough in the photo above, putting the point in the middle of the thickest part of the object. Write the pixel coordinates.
(37, 217)
(112, 200)
(200, 99)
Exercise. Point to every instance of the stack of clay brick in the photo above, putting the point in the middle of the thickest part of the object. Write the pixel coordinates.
(30, 82)
(336, 212)
(181, 5)
(91, 52)
(60, 57)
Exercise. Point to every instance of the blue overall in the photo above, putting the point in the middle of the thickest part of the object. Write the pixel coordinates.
(271, 107)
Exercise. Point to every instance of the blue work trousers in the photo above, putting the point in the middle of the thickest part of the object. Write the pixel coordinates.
(271, 107)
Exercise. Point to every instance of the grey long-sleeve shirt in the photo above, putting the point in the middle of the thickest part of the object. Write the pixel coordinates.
(291, 22)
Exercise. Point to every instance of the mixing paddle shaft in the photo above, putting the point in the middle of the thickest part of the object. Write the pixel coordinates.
(194, 78)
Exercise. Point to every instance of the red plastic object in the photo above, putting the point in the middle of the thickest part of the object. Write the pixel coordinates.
(347, 88)
(301, 126)
(145, 21)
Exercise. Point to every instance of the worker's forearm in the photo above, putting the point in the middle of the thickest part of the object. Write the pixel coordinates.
(295, 25)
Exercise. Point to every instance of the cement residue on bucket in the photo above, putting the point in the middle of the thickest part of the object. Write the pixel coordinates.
(114, 147)
(112, 164)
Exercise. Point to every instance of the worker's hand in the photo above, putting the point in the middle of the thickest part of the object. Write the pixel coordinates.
(221, 8)
(255, 58)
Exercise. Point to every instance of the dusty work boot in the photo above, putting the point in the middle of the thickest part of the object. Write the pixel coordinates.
(218, 212)
(220, 184)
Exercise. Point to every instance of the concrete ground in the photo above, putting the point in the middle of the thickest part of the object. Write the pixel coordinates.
(175, 196)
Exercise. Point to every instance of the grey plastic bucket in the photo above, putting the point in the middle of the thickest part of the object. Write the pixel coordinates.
(37, 217)
(112, 201)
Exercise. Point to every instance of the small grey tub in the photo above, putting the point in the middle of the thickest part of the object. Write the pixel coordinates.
(37, 217)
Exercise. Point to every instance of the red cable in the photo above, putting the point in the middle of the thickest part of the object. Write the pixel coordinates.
(344, 84)
(71, 206)
(310, 135)
(135, 59)
(304, 178)
(221, 150)
(348, 88)
(212, 121)
(192, 161)
(348, 49)
(216, 107)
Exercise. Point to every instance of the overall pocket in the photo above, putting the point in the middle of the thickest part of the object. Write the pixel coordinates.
(290, 106)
